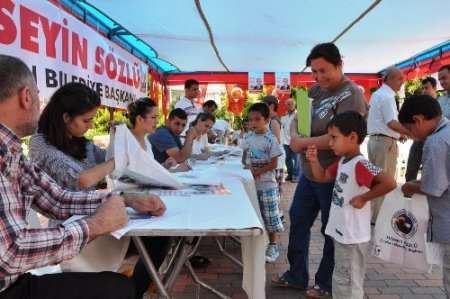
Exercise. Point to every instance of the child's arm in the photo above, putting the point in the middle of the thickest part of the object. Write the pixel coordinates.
(382, 184)
(244, 157)
(320, 175)
(271, 166)
(412, 187)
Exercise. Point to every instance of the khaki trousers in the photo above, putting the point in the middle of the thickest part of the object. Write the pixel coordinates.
(383, 152)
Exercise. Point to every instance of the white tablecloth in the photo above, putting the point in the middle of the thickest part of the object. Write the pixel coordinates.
(205, 214)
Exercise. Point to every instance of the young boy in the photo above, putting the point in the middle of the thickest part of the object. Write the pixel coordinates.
(261, 151)
(422, 116)
(357, 181)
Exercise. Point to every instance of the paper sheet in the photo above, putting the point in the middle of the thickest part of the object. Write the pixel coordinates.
(133, 162)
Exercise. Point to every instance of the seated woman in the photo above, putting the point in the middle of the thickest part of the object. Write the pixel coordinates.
(202, 123)
(61, 150)
(143, 115)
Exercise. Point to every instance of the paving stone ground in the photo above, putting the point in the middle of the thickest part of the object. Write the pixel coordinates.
(382, 281)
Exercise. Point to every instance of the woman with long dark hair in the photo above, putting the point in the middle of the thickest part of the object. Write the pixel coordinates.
(61, 149)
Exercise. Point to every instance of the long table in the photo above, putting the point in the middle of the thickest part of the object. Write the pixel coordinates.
(235, 214)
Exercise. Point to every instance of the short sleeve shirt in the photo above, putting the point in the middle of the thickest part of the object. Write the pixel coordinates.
(260, 149)
(191, 111)
(162, 140)
(326, 104)
(383, 109)
(346, 224)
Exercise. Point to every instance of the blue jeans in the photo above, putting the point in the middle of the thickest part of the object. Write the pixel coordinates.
(309, 198)
(292, 162)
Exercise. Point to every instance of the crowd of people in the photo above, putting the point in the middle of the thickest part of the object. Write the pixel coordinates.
(334, 180)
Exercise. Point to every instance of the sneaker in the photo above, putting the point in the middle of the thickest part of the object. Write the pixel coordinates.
(272, 252)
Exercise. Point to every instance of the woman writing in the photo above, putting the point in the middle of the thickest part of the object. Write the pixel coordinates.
(62, 151)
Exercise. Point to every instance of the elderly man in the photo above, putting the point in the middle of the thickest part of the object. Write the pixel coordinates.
(23, 185)
(384, 128)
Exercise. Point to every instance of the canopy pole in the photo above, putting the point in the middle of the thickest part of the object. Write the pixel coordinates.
(211, 37)
(371, 7)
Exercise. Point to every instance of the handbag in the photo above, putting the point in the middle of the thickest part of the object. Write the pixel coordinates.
(400, 229)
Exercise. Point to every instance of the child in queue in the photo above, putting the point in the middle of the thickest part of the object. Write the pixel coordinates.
(357, 181)
(422, 116)
(260, 156)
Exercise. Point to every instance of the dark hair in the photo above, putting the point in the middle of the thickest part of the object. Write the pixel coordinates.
(139, 107)
(445, 67)
(178, 112)
(327, 51)
(348, 122)
(189, 83)
(203, 116)
(74, 99)
(210, 103)
(260, 107)
(14, 75)
(432, 81)
(419, 104)
(271, 100)
(244, 120)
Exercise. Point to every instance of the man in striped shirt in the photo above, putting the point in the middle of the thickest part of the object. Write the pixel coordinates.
(24, 186)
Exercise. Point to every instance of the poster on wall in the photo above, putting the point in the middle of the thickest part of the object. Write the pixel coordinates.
(283, 82)
(255, 82)
(60, 49)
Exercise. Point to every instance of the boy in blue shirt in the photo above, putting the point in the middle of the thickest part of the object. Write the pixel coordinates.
(422, 116)
(261, 152)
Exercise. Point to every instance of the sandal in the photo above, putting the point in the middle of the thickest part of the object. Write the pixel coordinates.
(199, 262)
(316, 292)
(282, 282)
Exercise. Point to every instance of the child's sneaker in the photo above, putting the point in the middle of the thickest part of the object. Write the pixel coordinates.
(272, 252)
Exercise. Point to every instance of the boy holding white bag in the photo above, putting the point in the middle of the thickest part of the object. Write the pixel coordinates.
(422, 116)
(357, 181)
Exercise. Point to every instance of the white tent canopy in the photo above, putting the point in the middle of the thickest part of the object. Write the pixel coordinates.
(265, 35)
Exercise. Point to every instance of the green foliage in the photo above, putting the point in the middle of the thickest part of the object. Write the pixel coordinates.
(413, 86)
(100, 125)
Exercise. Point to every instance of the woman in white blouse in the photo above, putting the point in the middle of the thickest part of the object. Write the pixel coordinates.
(143, 116)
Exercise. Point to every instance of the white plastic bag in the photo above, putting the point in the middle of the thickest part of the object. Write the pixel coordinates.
(400, 231)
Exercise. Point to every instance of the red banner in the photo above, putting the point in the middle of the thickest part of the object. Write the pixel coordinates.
(236, 97)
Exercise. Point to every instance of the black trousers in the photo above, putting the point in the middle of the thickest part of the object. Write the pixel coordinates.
(158, 248)
(71, 285)
(414, 161)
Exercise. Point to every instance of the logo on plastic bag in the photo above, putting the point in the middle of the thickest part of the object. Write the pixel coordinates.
(404, 223)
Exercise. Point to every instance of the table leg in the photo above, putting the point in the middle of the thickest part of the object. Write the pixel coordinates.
(187, 263)
(150, 266)
(227, 255)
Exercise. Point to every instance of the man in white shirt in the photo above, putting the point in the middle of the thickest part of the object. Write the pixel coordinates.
(292, 158)
(222, 129)
(186, 102)
(384, 128)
